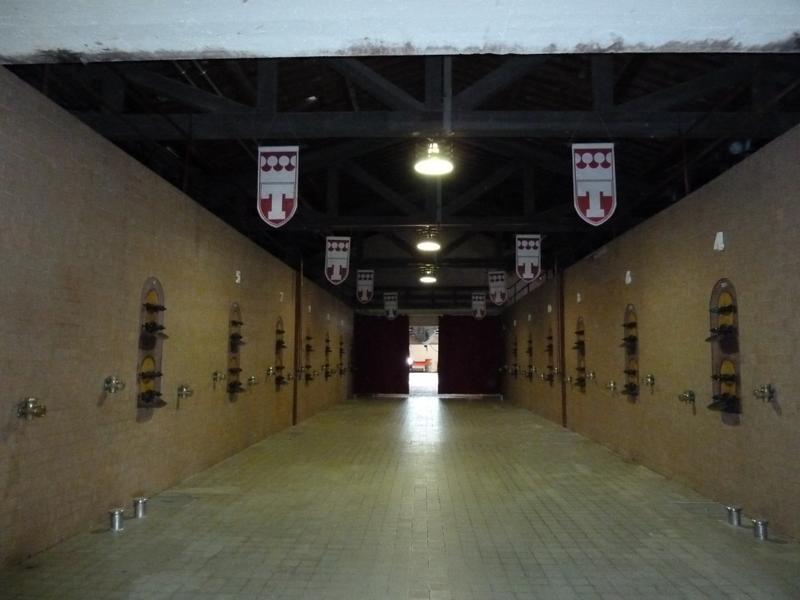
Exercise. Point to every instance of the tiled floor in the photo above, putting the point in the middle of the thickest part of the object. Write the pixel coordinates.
(419, 499)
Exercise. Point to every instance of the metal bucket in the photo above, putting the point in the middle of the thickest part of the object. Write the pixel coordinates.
(760, 529)
(140, 507)
(116, 517)
(734, 515)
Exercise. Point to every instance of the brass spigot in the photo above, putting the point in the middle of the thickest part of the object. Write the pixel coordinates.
(30, 408)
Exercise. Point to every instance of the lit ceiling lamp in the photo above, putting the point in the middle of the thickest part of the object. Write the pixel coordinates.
(428, 275)
(435, 160)
(429, 243)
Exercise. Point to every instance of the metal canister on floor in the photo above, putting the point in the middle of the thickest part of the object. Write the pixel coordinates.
(116, 516)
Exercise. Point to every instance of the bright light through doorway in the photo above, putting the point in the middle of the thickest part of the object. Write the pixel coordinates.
(423, 361)
(423, 384)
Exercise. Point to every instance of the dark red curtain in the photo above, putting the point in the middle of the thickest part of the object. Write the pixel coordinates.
(380, 355)
(469, 355)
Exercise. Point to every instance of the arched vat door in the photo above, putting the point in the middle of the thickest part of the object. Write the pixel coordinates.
(151, 345)
(630, 344)
(724, 340)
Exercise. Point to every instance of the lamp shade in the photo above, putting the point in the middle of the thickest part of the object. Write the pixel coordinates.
(435, 160)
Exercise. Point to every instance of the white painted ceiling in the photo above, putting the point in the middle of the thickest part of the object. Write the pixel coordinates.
(95, 30)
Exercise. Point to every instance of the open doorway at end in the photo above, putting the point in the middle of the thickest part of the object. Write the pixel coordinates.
(423, 360)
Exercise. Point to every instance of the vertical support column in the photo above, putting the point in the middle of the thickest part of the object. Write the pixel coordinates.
(332, 192)
(447, 96)
(528, 193)
(433, 82)
(267, 86)
(602, 82)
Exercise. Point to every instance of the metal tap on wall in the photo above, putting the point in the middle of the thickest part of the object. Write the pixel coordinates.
(113, 384)
(30, 408)
(765, 393)
(184, 391)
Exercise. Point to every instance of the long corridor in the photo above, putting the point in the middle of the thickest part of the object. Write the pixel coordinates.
(419, 498)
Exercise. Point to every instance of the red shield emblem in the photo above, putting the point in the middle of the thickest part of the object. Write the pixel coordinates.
(594, 181)
(365, 285)
(390, 305)
(479, 306)
(337, 259)
(497, 287)
(278, 168)
(529, 256)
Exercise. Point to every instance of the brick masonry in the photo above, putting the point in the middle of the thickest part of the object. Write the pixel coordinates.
(674, 268)
(82, 226)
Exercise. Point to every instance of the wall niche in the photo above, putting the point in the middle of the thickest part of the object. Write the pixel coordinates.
(550, 370)
(151, 345)
(530, 370)
(308, 369)
(326, 367)
(580, 355)
(235, 342)
(341, 366)
(280, 348)
(515, 364)
(630, 342)
(724, 340)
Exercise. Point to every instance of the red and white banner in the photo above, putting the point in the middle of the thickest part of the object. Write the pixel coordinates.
(337, 259)
(365, 285)
(278, 168)
(529, 256)
(390, 304)
(479, 306)
(595, 181)
(497, 287)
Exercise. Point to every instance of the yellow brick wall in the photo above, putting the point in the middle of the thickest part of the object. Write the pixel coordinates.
(674, 268)
(82, 226)
(531, 317)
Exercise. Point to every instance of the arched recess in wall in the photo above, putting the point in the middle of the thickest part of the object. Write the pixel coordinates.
(151, 345)
(515, 364)
(630, 342)
(308, 353)
(235, 342)
(280, 349)
(550, 369)
(529, 369)
(580, 355)
(326, 366)
(724, 339)
(341, 366)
